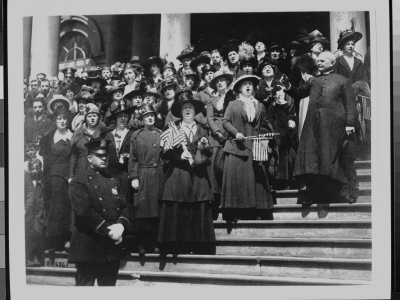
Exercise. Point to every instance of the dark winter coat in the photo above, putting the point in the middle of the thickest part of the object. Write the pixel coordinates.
(146, 165)
(359, 72)
(97, 203)
(35, 130)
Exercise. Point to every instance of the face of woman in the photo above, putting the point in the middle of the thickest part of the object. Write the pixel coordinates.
(149, 99)
(199, 68)
(70, 95)
(189, 81)
(149, 119)
(268, 71)
(209, 76)
(188, 112)
(348, 48)
(169, 93)
(129, 75)
(92, 119)
(168, 73)
(82, 107)
(260, 46)
(317, 48)
(117, 95)
(246, 89)
(233, 57)
(248, 69)
(122, 120)
(154, 69)
(137, 100)
(61, 121)
(186, 62)
(275, 54)
(222, 84)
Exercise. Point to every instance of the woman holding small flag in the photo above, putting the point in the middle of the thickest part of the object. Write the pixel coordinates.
(245, 188)
(186, 224)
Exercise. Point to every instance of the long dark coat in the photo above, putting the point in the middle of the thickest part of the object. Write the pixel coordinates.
(359, 72)
(146, 165)
(331, 108)
(97, 203)
(117, 170)
(245, 183)
(56, 161)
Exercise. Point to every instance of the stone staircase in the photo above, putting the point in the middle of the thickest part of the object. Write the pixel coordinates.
(321, 244)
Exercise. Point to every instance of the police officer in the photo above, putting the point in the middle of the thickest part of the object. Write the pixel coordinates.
(102, 215)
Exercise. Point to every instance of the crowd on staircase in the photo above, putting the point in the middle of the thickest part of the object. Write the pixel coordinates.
(216, 135)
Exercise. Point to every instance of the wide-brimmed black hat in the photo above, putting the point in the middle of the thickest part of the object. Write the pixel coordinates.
(188, 52)
(135, 60)
(254, 79)
(230, 46)
(154, 60)
(121, 109)
(198, 60)
(145, 110)
(217, 76)
(100, 100)
(317, 37)
(249, 61)
(266, 62)
(98, 140)
(57, 101)
(90, 80)
(183, 97)
(132, 66)
(115, 85)
(60, 110)
(260, 37)
(275, 46)
(94, 72)
(348, 35)
(134, 93)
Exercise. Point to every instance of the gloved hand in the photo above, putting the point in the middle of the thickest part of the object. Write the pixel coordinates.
(116, 231)
(135, 184)
(291, 124)
(240, 136)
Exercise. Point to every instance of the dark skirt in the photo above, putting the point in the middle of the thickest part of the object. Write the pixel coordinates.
(186, 222)
(245, 184)
(60, 213)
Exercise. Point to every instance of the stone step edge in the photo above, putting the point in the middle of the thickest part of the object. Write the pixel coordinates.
(295, 240)
(256, 258)
(288, 222)
(365, 188)
(139, 275)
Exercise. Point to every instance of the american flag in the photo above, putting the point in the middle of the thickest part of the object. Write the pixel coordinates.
(172, 137)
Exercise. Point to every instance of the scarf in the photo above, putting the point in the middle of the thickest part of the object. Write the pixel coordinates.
(250, 105)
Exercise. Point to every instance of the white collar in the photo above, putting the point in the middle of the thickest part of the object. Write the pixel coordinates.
(58, 136)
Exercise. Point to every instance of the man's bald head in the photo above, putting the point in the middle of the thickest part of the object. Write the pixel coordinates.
(325, 61)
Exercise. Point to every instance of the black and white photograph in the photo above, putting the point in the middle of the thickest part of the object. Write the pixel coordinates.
(199, 147)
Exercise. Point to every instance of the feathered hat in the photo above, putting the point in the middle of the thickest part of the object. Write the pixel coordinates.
(349, 34)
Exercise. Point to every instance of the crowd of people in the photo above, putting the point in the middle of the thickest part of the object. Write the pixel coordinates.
(158, 151)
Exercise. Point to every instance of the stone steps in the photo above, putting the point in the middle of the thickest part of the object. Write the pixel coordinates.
(349, 229)
(65, 277)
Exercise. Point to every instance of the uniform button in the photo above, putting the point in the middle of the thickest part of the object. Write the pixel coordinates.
(101, 199)
(154, 145)
(104, 209)
(118, 209)
(90, 177)
(96, 187)
(155, 164)
(154, 132)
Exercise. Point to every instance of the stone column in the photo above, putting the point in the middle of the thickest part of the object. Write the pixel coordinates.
(44, 45)
(27, 36)
(341, 20)
(174, 36)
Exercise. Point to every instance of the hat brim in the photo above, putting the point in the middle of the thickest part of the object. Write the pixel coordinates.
(133, 93)
(252, 78)
(356, 36)
(65, 101)
(90, 80)
(228, 77)
(181, 57)
(157, 61)
(198, 60)
(128, 111)
(176, 108)
(175, 85)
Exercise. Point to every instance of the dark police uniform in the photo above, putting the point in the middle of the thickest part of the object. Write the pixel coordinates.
(97, 204)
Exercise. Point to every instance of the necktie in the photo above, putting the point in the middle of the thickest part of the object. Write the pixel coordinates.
(118, 141)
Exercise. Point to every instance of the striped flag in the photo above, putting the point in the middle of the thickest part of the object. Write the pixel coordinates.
(172, 137)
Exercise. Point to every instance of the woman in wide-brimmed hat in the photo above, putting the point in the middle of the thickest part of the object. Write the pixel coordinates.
(186, 224)
(185, 57)
(215, 113)
(147, 179)
(348, 65)
(56, 149)
(197, 65)
(206, 94)
(243, 118)
(317, 43)
(190, 80)
(168, 90)
(132, 76)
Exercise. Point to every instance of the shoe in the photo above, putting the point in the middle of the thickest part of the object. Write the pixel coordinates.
(157, 250)
(142, 251)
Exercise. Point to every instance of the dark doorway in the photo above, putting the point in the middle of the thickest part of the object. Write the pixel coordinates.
(209, 31)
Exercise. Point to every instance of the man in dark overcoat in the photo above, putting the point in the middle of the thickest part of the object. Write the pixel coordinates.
(331, 117)
(102, 215)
